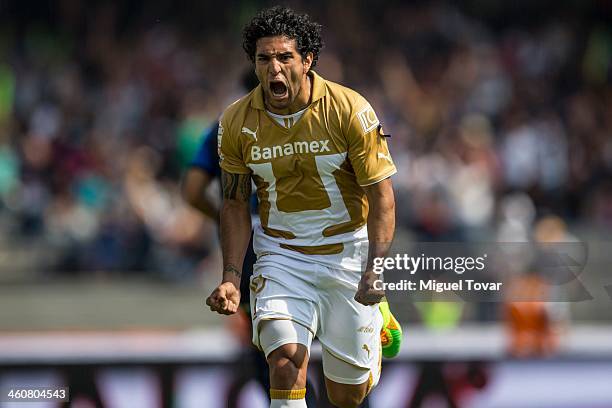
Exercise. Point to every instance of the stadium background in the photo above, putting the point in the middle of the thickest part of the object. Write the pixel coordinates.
(501, 123)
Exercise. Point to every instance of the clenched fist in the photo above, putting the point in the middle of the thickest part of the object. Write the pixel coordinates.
(366, 293)
(224, 299)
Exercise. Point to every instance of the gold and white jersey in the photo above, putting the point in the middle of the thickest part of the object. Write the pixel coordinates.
(309, 176)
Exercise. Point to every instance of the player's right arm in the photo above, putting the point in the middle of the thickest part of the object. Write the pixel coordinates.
(235, 222)
(235, 235)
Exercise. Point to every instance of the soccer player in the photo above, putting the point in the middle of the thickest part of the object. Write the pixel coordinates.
(319, 159)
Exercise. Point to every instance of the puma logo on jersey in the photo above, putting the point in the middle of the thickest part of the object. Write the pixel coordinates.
(288, 149)
(385, 156)
(250, 132)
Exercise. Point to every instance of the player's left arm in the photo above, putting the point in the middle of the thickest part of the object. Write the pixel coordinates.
(381, 227)
(369, 155)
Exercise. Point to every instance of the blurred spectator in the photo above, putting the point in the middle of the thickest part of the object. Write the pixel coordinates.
(533, 320)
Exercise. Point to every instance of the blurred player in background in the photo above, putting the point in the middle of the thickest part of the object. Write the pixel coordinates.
(319, 158)
(204, 168)
(532, 318)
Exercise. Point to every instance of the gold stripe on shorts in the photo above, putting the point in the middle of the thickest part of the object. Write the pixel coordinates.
(329, 249)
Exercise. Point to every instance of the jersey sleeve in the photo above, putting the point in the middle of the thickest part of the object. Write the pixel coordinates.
(367, 146)
(231, 158)
(206, 157)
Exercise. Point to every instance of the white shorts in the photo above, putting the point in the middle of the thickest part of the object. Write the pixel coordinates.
(320, 299)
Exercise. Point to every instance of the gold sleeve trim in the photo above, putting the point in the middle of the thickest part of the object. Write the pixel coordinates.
(380, 178)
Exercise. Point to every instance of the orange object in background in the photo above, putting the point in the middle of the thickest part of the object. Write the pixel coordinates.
(529, 317)
(529, 322)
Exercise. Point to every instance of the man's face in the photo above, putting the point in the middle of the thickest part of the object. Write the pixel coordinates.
(281, 71)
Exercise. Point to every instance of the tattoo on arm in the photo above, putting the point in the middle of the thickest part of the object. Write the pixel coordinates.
(233, 270)
(236, 186)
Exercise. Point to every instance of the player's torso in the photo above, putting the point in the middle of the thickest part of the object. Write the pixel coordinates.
(306, 187)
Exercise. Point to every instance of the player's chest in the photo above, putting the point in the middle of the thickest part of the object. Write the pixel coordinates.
(304, 149)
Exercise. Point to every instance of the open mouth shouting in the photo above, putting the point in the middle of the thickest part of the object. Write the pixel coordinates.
(278, 89)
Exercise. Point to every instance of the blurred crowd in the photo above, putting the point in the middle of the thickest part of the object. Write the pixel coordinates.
(497, 124)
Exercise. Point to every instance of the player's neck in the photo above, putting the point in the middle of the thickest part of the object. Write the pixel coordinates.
(301, 101)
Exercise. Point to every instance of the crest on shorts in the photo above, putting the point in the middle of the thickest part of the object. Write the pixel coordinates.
(368, 118)
(257, 284)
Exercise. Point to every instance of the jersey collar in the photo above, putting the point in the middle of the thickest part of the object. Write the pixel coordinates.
(318, 92)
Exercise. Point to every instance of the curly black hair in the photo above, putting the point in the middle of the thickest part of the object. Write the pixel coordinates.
(282, 21)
